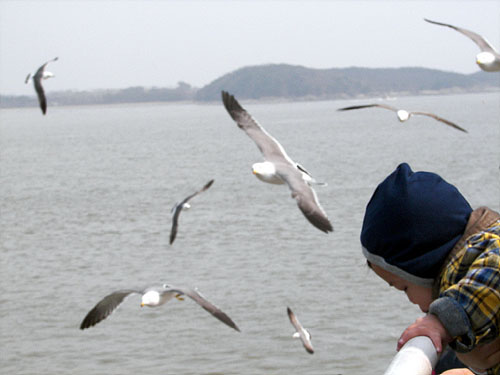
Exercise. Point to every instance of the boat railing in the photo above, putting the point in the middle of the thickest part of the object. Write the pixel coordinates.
(417, 357)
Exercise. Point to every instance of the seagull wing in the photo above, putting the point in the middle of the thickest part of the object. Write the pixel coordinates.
(270, 148)
(175, 222)
(207, 185)
(439, 119)
(298, 327)
(178, 209)
(483, 44)
(40, 70)
(37, 81)
(368, 106)
(195, 295)
(305, 196)
(105, 307)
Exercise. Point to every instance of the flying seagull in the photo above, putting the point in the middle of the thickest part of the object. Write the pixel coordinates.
(301, 332)
(404, 115)
(488, 59)
(37, 82)
(183, 205)
(278, 168)
(152, 297)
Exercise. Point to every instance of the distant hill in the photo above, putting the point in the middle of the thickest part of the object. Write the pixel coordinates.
(139, 94)
(297, 82)
(284, 81)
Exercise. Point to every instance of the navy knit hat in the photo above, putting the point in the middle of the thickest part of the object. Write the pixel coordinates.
(412, 222)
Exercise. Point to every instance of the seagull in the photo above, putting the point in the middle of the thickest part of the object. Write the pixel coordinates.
(37, 82)
(184, 205)
(278, 168)
(404, 115)
(488, 59)
(301, 333)
(152, 297)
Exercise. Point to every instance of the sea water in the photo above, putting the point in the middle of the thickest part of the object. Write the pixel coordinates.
(85, 199)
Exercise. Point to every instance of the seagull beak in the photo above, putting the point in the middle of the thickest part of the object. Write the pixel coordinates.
(178, 296)
(142, 304)
(254, 171)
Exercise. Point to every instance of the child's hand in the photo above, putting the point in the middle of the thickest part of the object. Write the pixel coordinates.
(429, 326)
(458, 371)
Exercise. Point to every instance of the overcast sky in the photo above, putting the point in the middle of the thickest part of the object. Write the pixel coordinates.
(117, 44)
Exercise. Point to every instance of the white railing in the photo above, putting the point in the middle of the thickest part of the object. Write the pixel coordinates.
(417, 357)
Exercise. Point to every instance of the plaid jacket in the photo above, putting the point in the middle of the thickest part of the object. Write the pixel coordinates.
(468, 289)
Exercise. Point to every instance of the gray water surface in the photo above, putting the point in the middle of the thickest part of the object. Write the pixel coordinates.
(85, 199)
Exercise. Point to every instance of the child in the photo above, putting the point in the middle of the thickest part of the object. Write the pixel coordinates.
(421, 236)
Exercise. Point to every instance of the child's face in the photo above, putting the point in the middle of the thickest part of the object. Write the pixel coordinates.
(419, 295)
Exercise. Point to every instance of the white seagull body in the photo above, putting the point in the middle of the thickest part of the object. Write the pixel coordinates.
(278, 168)
(404, 115)
(183, 205)
(488, 59)
(152, 297)
(301, 332)
(40, 74)
(266, 172)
